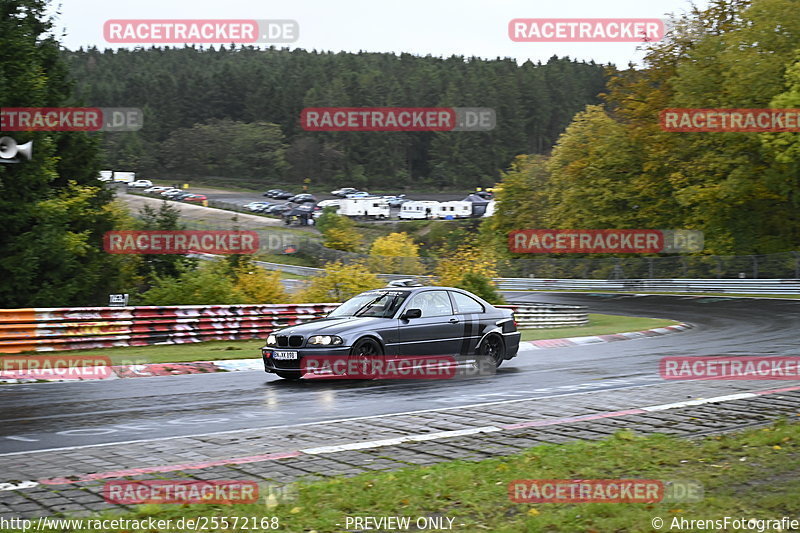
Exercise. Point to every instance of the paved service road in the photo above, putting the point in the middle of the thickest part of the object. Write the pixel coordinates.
(61, 415)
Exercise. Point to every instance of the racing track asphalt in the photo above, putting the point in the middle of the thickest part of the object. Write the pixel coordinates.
(60, 415)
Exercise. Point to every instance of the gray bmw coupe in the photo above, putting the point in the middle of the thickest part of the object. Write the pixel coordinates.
(395, 323)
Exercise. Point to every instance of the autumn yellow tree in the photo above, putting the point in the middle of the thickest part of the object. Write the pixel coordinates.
(338, 283)
(471, 268)
(338, 232)
(258, 286)
(396, 253)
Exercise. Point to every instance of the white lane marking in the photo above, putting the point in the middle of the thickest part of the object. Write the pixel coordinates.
(701, 401)
(16, 486)
(336, 421)
(409, 438)
(399, 440)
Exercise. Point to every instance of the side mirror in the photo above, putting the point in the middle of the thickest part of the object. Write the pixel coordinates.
(412, 313)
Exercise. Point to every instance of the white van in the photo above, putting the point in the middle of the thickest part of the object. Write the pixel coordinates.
(419, 209)
(124, 177)
(106, 175)
(376, 208)
(454, 209)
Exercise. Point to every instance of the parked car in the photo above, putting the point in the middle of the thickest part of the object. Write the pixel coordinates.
(279, 194)
(303, 198)
(157, 189)
(329, 203)
(172, 192)
(344, 191)
(397, 322)
(396, 201)
(140, 183)
(300, 214)
(180, 196)
(278, 209)
(195, 198)
(357, 194)
(257, 207)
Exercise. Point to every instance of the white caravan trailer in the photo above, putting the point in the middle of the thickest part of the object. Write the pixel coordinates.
(124, 177)
(376, 208)
(489, 209)
(455, 209)
(419, 209)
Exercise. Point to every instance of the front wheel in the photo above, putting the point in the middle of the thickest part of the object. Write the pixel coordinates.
(363, 354)
(493, 347)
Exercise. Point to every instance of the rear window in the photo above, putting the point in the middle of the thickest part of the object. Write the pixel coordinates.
(466, 304)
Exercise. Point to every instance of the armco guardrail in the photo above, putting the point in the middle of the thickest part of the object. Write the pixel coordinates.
(541, 315)
(76, 328)
(743, 286)
(80, 328)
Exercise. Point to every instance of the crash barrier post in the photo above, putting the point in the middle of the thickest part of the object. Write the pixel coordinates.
(741, 286)
(80, 328)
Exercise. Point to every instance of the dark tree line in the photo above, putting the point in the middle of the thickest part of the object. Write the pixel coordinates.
(254, 98)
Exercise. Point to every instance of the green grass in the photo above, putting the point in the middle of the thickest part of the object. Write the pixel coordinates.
(598, 325)
(751, 474)
(170, 353)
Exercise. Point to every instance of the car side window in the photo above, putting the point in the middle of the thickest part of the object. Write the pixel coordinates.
(432, 303)
(466, 304)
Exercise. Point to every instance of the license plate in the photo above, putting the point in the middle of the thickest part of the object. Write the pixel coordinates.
(284, 355)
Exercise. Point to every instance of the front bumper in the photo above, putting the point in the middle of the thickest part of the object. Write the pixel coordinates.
(271, 365)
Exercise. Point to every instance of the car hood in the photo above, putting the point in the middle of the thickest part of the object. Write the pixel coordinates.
(332, 326)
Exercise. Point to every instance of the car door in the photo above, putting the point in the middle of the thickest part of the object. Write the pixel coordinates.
(436, 332)
(472, 315)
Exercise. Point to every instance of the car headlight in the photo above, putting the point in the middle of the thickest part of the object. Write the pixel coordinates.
(272, 340)
(325, 340)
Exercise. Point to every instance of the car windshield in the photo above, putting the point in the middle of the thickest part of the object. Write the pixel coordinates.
(381, 304)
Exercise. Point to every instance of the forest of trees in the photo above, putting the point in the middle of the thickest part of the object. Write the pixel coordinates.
(577, 145)
(232, 114)
(615, 167)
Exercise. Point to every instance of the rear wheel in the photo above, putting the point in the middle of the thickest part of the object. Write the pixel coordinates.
(494, 348)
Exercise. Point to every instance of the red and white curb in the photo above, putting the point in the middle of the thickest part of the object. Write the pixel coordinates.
(362, 445)
(237, 365)
(597, 339)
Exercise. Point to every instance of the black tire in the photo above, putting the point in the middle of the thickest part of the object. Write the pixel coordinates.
(362, 351)
(495, 347)
(290, 375)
